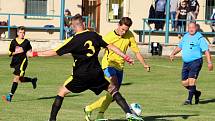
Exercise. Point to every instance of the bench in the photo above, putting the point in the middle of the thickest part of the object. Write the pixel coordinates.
(142, 33)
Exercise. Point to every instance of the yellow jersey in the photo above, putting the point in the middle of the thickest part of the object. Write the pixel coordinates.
(110, 58)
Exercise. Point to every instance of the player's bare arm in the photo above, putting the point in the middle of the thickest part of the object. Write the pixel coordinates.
(47, 53)
(175, 51)
(120, 53)
(208, 57)
(142, 61)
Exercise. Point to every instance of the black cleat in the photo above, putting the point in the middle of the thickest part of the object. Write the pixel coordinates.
(34, 83)
(187, 102)
(197, 95)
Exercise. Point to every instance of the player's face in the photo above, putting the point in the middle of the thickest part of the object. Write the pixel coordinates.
(66, 13)
(192, 28)
(21, 34)
(77, 25)
(184, 4)
(122, 29)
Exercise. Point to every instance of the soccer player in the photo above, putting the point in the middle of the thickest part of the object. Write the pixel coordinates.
(192, 45)
(113, 64)
(18, 49)
(87, 72)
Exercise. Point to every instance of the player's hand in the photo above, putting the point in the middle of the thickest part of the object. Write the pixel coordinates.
(29, 54)
(129, 60)
(210, 66)
(172, 57)
(147, 67)
(18, 50)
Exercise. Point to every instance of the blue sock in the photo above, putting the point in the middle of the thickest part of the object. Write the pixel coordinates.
(192, 91)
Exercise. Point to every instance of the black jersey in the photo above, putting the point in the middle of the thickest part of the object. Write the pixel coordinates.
(18, 58)
(183, 11)
(193, 5)
(84, 47)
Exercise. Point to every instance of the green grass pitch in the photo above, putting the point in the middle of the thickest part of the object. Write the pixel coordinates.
(159, 92)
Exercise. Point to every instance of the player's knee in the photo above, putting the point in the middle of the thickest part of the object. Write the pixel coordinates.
(63, 91)
(16, 79)
(112, 89)
(191, 81)
(185, 83)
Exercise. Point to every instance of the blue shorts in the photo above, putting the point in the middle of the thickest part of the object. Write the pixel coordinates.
(191, 69)
(111, 71)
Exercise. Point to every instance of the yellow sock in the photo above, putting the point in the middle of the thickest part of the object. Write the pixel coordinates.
(106, 102)
(97, 104)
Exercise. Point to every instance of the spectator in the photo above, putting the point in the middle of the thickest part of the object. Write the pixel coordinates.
(194, 9)
(181, 16)
(67, 23)
(212, 23)
(173, 9)
(160, 8)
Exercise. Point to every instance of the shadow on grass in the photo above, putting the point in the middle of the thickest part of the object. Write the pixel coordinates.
(158, 117)
(53, 97)
(45, 98)
(162, 117)
(206, 101)
(126, 84)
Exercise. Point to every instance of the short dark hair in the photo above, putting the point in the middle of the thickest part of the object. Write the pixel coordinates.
(125, 21)
(78, 17)
(20, 28)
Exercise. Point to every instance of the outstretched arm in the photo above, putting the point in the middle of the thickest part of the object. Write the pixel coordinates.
(175, 51)
(120, 53)
(47, 53)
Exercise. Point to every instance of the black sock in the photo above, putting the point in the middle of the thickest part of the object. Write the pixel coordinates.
(121, 102)
(192, 91)
(13, 88)
(56, 107)
(25, 79)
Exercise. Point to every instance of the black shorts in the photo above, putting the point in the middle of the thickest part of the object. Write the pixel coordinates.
(19, 69)
(191, 69)
(95, 82)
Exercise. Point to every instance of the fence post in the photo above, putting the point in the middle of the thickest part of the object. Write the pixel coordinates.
(62, 20)
(167, 22)
(8, 26)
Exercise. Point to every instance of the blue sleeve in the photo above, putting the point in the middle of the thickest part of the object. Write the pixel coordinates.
(180, 44)
(203, 44)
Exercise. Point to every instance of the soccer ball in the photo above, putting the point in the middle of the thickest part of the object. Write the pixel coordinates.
(136, 109)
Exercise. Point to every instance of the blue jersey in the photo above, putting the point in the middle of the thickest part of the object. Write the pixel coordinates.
(193, 46)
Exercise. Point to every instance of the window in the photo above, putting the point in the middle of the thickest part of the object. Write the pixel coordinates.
(210, 8)
(36, 8)
(115, 9)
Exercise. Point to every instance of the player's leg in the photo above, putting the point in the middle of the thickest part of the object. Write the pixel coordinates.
(14, 86)
(103, 102)
(58, 102)
(70, 85)
(24, 79)
(122, 103)
(28, 79)
(194, 72)
(185, 81)
(116, 79)
(192, 90)
(194, 69)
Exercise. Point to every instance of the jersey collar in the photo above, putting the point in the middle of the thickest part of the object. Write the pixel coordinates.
(20, 41)
(82, 31)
